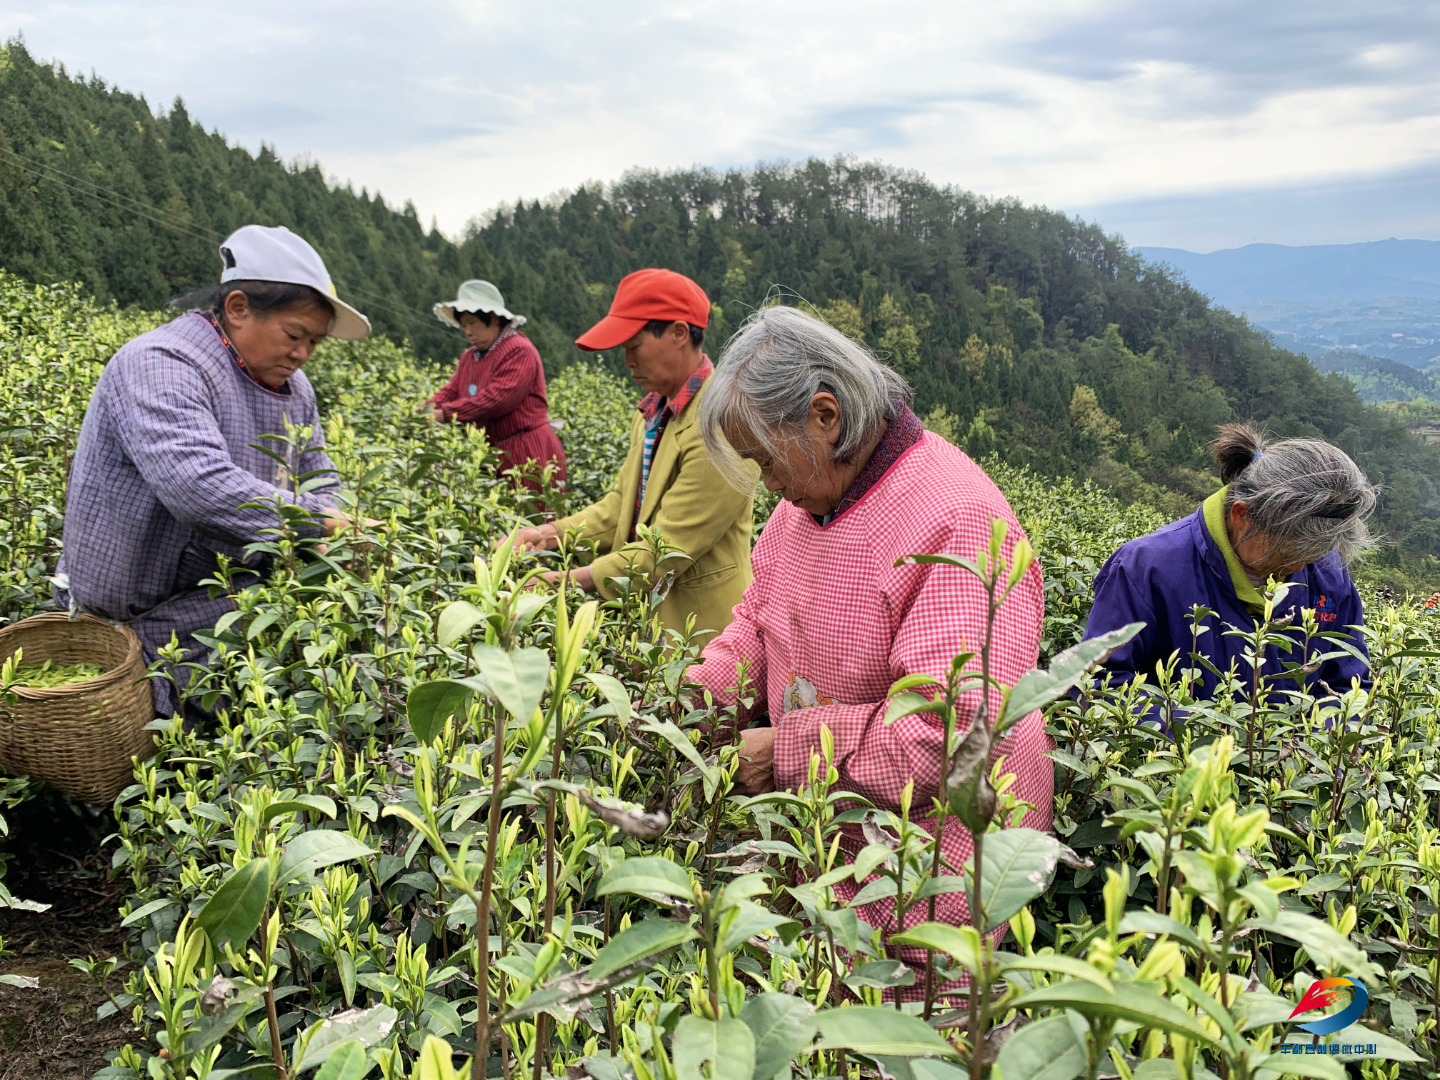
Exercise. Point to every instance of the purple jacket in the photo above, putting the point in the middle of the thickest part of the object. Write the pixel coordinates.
(165, 460)
(1157, 578)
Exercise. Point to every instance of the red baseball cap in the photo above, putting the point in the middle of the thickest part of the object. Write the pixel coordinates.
(646, 295)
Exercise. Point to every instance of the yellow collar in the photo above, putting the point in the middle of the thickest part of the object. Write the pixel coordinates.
(1246, 593)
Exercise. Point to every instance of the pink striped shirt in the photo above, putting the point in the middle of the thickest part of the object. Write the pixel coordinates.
(828, 605)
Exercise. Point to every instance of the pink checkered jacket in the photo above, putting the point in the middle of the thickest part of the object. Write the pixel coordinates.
(829, 606)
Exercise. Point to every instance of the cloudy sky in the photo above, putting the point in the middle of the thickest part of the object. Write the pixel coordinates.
(1196, 125)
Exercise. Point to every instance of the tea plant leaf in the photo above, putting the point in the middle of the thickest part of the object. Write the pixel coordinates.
(870, 857)
(881, 974)
(675, 737)
(1217, 1012)
(1261, 1008)
(726, 1046)
(434, 1062)
(570, 639)
(907, 704)
(650, 875)
(517, 679)
(968, 789)
(1016, 867)
(1045, 1050)
(1148, 922)
(867, 1029)
(942, 560)
(7, 900)
(1124, 1001)
(613, 691)
(782, 1027)
(146, 910)
(934, 1069)
(606, 1067)
(939, 886)
(844, 923)
(529, 605)
(752, 920)
(1403, 1017)
(1037, 688)
(315, 850)
(1156, 1069)
(1061, 965)
(612, 812)
(261, 624)
(348, 1061)
(229, 619)
(645, 939)
(960, 943)
(1321, 1068)
(233, 913)
(430, 704)
(456, 620)
(1323, 883)
(345, 963)
(1326, 946)
(911, 682)
(1387, 1047)
(298, 805)
(744, 887)
(365, 1026)
(215, 1027)
(441, 1017)
(557, 996)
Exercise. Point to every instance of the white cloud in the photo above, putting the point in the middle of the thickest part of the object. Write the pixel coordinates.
(462, 105)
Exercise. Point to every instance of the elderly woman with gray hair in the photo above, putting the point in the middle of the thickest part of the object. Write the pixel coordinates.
(830, 620)
(1291, 511)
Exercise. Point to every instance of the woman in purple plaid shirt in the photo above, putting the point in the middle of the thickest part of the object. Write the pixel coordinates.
(169, 473)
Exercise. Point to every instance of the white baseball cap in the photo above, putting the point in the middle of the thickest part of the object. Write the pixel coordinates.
(266, 253)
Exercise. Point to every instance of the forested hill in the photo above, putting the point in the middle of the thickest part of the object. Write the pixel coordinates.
(1024, 331)
(1377, 379)
(1041, 336)
(97, 189)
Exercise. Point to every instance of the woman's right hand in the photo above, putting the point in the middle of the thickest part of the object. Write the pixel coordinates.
(338, 521)
(756, 773)
(544, 538)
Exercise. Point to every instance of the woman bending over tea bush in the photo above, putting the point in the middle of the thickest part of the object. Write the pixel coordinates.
(830, 621)
(499, 383)
(1291, 511)
(186, 450)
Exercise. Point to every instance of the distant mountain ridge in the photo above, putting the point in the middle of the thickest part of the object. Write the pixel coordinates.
(1381, 299)
(1370, 271)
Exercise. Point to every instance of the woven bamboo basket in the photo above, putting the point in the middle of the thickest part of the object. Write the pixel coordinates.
(78, 738)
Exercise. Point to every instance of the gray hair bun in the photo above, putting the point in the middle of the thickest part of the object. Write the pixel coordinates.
(1306, 495)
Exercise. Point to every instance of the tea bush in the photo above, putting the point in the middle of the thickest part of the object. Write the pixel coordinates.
(53, 343)
(443, 813)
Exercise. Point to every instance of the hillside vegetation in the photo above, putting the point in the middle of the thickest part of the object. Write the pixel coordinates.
(96, 188)
(1377, 379)
(441, 813)
(1026, 333)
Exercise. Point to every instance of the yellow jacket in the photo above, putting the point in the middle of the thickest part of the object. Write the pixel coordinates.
(691, 503)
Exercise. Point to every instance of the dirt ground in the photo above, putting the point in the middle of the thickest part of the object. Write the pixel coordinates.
(56, 858)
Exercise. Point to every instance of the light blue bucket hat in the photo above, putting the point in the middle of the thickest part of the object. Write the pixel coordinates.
(475, 296)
